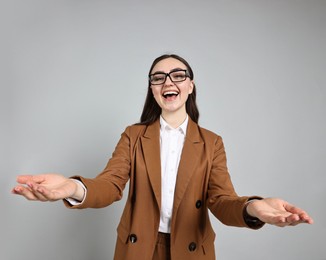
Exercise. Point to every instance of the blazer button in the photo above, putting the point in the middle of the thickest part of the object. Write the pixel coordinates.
(133, 238)
(192, 246)
(198, 204)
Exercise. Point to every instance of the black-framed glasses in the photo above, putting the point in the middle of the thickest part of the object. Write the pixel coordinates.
(175, 76)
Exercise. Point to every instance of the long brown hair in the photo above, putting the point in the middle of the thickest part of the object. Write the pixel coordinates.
(152, 111)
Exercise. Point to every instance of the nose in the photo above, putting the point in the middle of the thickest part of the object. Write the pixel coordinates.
(168, 81)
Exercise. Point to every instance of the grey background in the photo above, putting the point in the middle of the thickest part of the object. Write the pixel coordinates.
(74, 75)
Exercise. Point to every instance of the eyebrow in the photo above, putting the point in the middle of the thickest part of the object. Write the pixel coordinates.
(175, 69)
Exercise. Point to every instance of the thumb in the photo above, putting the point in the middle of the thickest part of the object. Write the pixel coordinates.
(23, 179)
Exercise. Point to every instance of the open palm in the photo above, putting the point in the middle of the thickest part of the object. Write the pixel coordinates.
(278, 212)
(45, 187)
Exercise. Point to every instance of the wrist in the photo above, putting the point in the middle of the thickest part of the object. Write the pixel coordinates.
(249, 208)
(249, 216)
(79, 190)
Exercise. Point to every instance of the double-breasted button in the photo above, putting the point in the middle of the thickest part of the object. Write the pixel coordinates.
(133, 238)
(198, 204)
(192, 246)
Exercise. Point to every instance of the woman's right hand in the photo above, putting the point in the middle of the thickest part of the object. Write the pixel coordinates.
(47, 187)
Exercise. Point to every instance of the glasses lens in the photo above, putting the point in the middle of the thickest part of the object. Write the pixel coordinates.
(177, 76)
(157, 78)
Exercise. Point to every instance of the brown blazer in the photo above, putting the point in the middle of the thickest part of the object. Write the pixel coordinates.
(203, 183)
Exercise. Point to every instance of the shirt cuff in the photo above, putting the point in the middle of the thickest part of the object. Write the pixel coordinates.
(74, 202)
(252, 222)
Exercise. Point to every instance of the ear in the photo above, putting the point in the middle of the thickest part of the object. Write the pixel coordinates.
(191, 88)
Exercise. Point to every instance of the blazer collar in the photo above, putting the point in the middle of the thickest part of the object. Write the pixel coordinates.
(151, 149)
(190, 158)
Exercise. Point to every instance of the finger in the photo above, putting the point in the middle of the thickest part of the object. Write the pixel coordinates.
(40, 196)
(306, 219)
(278, 220)
(295, 223)
(292, 218)
(289, 221)
(38, 191)
(38, 178)
(293, 209)
(25, 192)
(301, 213)
(23, 179)
(281, 223)
(44, 194)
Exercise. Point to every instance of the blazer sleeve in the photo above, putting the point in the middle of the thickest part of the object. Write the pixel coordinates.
(223, 201)
(108, 186)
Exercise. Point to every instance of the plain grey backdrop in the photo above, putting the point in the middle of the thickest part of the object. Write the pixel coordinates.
(74, 75)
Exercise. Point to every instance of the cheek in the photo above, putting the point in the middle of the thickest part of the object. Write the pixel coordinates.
(156, 93)
(187, 90)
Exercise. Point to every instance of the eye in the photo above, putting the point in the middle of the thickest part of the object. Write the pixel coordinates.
(178, 75)
(159, 77)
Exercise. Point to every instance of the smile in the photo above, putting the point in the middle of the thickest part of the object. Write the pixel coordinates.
(170, 95)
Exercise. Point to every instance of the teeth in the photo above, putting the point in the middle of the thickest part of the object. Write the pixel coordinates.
(170, 93)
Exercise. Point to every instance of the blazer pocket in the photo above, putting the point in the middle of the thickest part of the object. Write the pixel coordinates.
(208, 244)
(123, 234)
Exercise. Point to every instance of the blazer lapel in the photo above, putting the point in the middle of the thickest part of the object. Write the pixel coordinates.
(151, 149)
(192, 149)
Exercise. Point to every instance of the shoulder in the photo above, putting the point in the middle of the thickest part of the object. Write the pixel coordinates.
(197, 133)
(212, 140)
(148, 131)
(207, 134)
(135, 130)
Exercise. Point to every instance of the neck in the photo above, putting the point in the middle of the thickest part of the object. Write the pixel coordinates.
(174, 119)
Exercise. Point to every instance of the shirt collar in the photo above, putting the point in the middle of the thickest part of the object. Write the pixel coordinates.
(182, 128)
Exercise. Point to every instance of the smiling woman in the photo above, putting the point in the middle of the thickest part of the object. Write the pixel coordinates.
(171, 95)
(183, 80)
(177, 172)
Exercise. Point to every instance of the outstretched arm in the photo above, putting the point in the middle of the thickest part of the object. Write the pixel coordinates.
(47, 187)
(277, 212)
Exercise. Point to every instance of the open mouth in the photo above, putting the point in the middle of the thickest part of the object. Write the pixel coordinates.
(170, 95)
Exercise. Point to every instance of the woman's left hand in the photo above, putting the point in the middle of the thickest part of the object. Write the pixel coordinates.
(278, 212)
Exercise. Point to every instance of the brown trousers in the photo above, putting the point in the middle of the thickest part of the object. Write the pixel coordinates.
(162, 248)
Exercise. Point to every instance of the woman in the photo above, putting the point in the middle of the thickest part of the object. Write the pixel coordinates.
(177, 171)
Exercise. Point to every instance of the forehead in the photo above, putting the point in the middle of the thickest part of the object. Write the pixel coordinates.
(168, 64)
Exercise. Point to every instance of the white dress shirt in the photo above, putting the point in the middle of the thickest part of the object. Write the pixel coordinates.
(171, 140)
